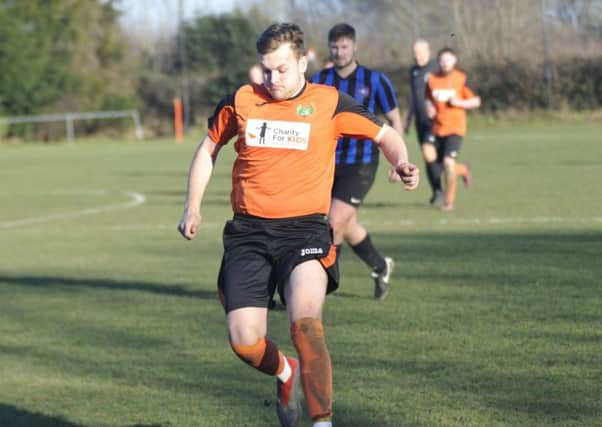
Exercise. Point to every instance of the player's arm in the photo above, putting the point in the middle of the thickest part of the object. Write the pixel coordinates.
(468, 104)
(411, 101)
(394, 118)
(395, 151)
(409, 114)
(431, 110)
(387, 100)
(200, 172)
(222, 127)
(468, 99)
(353, 119)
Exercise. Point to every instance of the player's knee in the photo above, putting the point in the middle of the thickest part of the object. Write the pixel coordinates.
(449, 163)
(429, 153)
(241, 333)
(251, 354)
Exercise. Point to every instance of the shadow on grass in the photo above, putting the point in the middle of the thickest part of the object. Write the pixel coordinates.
(11, 416)
(535, 395)
(117, 285)
(480, 258)
(538, 289)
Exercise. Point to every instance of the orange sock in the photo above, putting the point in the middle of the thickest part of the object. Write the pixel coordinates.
(263, 356)
(316, 368)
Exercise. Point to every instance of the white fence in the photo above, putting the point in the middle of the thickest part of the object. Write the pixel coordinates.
(69, 118)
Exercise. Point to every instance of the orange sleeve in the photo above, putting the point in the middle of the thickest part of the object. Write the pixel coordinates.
(222, 124)
(353, 119)
(356, 125)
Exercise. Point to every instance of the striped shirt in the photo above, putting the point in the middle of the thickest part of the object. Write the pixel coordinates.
(372, 89)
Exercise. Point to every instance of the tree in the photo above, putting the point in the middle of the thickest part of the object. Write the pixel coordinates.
(63, 55)
(221, 48)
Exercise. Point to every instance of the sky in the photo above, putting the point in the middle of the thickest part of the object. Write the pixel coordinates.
(162, 15)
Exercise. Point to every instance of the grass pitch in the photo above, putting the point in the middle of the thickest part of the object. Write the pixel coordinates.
(109, 318)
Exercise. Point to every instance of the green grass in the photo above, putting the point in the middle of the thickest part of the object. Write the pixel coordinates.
(109, 318)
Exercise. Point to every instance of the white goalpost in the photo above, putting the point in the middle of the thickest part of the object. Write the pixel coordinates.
(69, 118)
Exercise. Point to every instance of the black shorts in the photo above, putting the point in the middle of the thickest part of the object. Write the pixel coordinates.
(260, 254)
(449, 146)
(352, 182)
(424, 132)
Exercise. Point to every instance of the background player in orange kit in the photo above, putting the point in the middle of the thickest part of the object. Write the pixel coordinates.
(449, 95)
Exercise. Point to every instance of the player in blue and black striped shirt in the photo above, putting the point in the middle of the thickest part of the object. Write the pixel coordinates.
(357, 159)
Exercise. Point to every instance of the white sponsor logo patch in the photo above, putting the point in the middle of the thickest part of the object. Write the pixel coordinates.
(311, 251)
(444, 95)
(277, 134)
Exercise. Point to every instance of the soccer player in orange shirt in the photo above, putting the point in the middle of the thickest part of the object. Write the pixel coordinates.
(279, 239)
(448, 97)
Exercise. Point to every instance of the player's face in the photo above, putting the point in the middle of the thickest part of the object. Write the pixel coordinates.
(447, 62)
(283, 72)
(342, 52)
(422, 54)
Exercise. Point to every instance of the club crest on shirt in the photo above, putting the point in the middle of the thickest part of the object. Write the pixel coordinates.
(364, 91)
(277, 134)
(305, 110)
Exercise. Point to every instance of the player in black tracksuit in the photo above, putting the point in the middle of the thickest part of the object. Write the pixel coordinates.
(419, 75)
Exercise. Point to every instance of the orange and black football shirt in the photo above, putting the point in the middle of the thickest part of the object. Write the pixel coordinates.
(440, 89)
(285, 163)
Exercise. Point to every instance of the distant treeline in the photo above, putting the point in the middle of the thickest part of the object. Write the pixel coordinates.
(74, 55)
(575, 84)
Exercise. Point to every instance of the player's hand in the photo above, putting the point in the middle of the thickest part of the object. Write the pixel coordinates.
(189, 224)
(407, 173)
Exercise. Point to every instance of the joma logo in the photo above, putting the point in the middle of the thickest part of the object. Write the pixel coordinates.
(311, 251)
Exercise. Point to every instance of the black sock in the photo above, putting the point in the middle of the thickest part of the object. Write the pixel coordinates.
(368, 253)
(433, 172)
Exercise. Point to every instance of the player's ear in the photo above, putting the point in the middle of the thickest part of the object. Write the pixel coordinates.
(303, 64)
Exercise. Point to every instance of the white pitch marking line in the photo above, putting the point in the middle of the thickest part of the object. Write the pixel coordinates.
(136, 200)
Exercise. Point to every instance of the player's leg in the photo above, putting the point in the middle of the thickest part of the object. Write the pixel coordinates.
(452, 145)
(351, 185)
(339, 215)
(433, 171)
(449, 164)
(305, 293)
(343, 218)
(463, 170)
(244, 284)
(429, 154)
